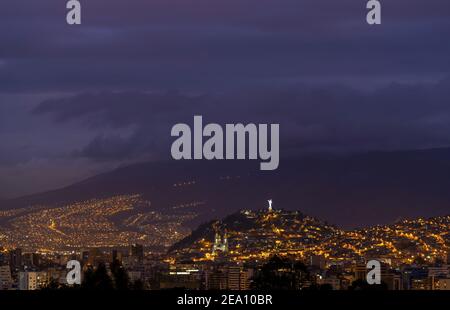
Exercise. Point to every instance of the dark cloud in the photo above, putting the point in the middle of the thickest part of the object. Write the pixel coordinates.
(313, 119)
(115, 148)
(76, 100)
(218, 44)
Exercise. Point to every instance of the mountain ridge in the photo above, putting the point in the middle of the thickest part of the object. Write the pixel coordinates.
(352, 190)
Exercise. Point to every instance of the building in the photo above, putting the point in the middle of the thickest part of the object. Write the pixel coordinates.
(359, 272)
(234, 278)
(137, 253)
(238, 278)
(245, 280)
(32, 280)
(393, 280)
(15, 259)
(420, 284)
(31, 260)
(216, 280)
(438, 271)
(116, 255)
(180, 280)
(442, 284)
(228, 277)
(332, 281)
(84, 256)
(134, 276)
(414, 277)
(317, 261)
(4, 259)
(58, 275)
(5, 278)
(220, 244)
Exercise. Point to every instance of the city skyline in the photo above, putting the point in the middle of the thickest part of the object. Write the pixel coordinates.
(245, 251)
(193, 148)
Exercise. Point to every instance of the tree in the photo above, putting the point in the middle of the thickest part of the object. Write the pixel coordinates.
(120, 275)
(280, 274)
(88, 279)
(363, 285)
(138, 285)
(97, 279)
(52, 285)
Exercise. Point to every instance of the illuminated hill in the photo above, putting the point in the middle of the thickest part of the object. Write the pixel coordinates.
(257, 235)
(351, 191)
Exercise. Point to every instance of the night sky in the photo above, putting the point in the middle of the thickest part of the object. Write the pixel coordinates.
(79, 100)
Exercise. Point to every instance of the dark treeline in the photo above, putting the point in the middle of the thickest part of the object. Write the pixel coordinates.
(100, 278)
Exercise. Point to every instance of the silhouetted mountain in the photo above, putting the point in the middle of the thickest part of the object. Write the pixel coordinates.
(350, 191)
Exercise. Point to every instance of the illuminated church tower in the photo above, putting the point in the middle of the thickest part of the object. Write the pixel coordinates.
(225, 242)
(219, 244)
